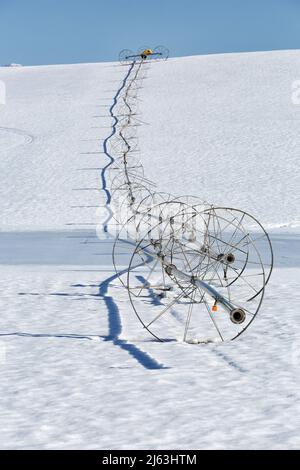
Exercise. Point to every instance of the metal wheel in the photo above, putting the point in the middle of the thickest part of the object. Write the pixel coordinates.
(175, 280)
(126, 56)
(237, 235)
(161, 52)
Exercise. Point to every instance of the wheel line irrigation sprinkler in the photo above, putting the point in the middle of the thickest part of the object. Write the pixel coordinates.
(197, 272)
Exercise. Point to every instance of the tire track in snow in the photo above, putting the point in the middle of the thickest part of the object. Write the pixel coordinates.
(28, 138)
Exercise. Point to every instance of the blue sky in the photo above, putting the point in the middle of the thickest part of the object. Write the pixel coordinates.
(70, 31)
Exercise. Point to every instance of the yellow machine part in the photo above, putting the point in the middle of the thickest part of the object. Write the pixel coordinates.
(147, 52)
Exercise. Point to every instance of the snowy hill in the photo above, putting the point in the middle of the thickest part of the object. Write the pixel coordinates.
(76, 373)
(223, 118)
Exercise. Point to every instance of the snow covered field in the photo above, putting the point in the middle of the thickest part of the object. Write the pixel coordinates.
(77, 371)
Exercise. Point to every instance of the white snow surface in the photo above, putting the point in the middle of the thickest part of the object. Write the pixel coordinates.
(78, 374)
